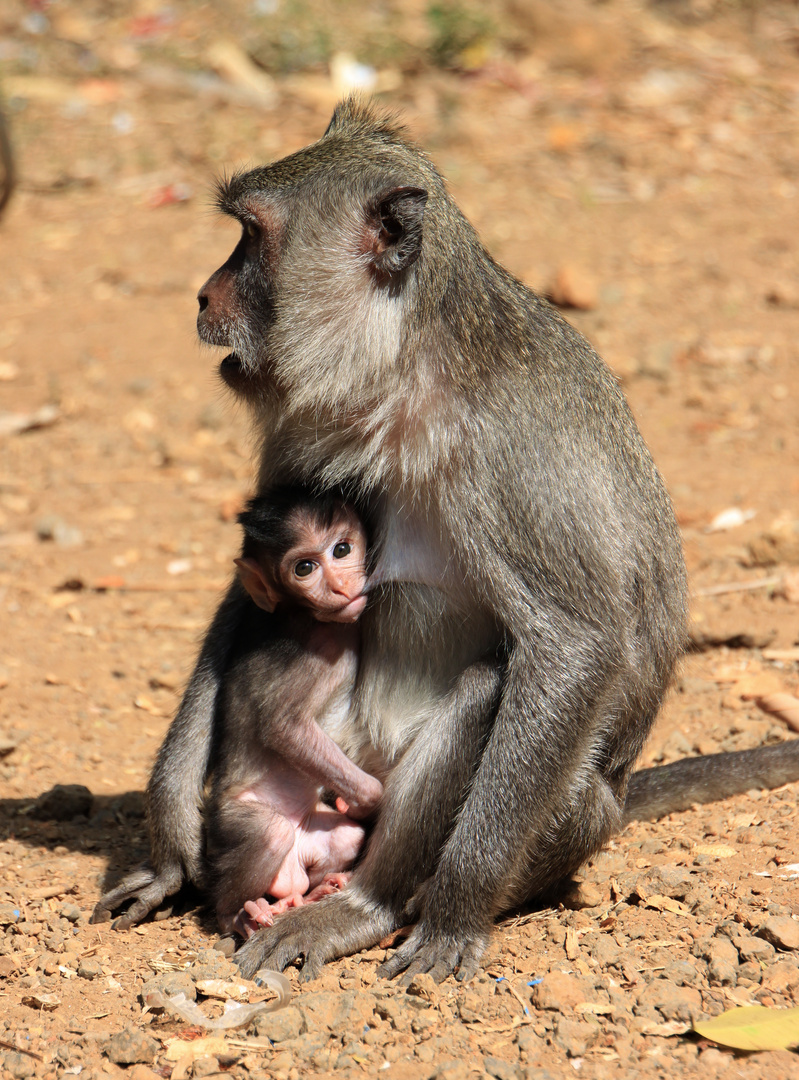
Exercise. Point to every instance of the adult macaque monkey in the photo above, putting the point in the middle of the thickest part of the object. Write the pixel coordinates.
(382, 349)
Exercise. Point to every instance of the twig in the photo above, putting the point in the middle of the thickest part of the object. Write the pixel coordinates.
(20, 1050)
(738, 586)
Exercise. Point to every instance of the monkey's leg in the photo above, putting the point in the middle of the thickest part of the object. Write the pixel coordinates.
(521, 825)
(247, 842)
(175, 790)
(415, 819)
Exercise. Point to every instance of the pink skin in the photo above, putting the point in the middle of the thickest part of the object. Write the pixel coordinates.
(326, 842)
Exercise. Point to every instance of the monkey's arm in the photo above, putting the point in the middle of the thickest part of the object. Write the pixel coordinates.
(302, 743)
(669, 788)
(174, 793)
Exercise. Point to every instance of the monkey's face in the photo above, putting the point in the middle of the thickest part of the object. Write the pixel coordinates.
(312, 296)
(325, 570)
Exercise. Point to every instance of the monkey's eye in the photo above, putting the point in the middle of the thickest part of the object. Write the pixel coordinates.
(342, 549)
(304, 568)
(251, 230)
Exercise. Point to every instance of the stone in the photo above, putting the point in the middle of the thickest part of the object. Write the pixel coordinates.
(782, 932)
(575, 1036)
(170, 983)
(683, 973)
(63, 803)
(205, 1066)
(19, 1065)
(71, 912)
(781, 978)
(142, 1072)
(394, 1010)
(673, 1002)
(754, 948)
(8, 966)
(452, 1070)
(562, 992)
(90, 969)
(604, 949)
(501, 1070)
(9, 914)
(722, 961)
(130, 1047)
(278, 1027)
(337, 1012)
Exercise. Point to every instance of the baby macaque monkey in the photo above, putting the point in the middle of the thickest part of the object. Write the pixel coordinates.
(269, 833)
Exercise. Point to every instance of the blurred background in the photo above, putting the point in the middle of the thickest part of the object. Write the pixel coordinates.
(635, 160)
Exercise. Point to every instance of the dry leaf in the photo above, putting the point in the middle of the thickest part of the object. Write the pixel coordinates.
(753, 1027)
(718, 851)
(219, 988)
(785, 706)
(48, 1002)
(665, 903)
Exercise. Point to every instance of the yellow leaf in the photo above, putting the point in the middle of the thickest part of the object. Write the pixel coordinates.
(753, 1027)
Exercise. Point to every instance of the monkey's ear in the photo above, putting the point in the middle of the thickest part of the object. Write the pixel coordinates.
(255, 581)
(395, 229)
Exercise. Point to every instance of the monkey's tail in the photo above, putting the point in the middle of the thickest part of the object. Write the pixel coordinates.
(652, 793)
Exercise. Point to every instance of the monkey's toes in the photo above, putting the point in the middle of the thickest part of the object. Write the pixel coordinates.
(435, 954)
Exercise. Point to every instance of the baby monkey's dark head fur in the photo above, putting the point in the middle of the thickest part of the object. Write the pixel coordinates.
(270, 522)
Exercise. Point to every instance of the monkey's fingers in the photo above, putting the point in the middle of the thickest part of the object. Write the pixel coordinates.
(436, 954)
(146, 888)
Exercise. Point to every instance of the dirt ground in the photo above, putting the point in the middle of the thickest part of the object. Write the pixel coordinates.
(642, 158)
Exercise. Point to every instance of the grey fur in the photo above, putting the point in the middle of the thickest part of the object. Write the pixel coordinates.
(517, 513)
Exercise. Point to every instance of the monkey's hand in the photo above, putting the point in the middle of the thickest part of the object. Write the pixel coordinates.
(254, 915)
(437, 951)
(146, 888)
(343, 924)
(362, 802)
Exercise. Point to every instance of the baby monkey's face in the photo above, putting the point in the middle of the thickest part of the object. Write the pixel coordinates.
(325, 569)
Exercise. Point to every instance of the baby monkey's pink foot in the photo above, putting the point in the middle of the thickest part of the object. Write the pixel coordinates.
(330, 883)
(254, 915)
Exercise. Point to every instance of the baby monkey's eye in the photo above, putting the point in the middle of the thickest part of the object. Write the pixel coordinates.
(304, 568)
(342, 550)
(251, 230)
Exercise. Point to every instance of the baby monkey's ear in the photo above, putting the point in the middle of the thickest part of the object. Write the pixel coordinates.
(258, 584)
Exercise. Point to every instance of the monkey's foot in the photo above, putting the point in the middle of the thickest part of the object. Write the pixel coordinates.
(435, 953)
(344, 924)
(329, 886)
(146, 888)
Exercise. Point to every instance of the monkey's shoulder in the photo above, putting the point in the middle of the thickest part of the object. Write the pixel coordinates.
(267, 640)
